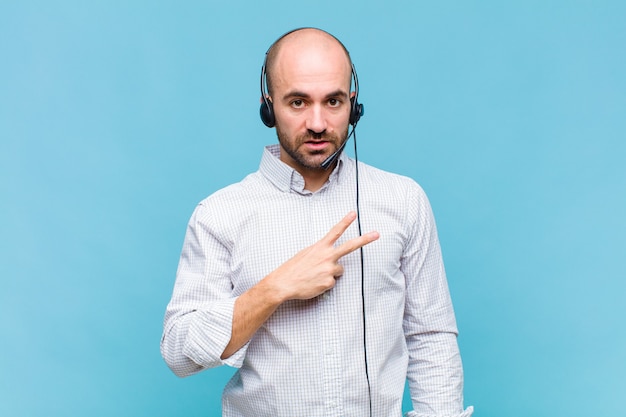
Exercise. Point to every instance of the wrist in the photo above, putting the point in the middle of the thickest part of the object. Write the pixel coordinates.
(269, 289)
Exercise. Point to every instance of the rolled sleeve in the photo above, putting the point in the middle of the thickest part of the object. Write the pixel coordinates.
(209, 334)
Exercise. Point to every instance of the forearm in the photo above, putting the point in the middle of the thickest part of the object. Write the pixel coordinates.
(251, 310)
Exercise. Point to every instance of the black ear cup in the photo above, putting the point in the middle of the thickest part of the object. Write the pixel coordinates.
(356, 111)
(267, 113)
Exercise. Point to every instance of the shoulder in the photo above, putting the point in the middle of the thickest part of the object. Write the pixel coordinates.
(399, 196)
(234, 194)
(231, 202)
(389, 183)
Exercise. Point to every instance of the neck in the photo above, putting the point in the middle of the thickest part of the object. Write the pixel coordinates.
(314, 179)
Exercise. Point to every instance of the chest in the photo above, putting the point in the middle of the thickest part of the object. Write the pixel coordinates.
(275, 229)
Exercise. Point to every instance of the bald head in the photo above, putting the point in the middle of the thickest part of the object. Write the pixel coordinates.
(304, 44)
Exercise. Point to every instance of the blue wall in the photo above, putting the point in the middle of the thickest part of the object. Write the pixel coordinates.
(116, 118)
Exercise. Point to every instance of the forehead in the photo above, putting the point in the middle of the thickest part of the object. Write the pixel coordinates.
(311, 60)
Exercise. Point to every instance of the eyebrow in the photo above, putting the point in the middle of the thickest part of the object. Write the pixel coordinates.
(296, 93)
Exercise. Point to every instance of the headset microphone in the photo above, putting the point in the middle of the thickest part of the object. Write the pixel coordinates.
(331, 159)
(335, 155)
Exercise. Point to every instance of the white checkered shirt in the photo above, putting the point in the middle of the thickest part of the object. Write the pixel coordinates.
(308, 358)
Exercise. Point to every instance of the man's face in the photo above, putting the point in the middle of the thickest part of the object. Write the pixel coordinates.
(311, 99)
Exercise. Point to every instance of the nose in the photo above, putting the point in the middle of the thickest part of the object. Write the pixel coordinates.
(316, 120)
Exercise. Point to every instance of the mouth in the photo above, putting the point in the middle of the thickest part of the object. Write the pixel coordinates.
(317, 145)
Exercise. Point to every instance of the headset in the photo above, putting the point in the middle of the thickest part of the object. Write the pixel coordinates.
(267, 108)
(356, 111)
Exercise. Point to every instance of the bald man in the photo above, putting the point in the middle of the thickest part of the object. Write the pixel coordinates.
(276, 278)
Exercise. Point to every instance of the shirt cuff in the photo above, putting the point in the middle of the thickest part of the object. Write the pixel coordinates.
(209, 334)
(467, 413)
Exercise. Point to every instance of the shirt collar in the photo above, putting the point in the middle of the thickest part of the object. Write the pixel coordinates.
(287, 179)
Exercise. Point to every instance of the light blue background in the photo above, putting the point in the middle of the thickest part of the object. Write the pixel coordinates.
(117, 117)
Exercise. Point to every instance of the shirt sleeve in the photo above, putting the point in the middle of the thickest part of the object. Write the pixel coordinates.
(435, 372)
(466, 413)
(198, 319)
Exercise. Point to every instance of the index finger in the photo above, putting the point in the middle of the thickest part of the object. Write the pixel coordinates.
(337, 230)
(356, 243)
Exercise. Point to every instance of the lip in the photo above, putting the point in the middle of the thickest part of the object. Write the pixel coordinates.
(316, 145)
